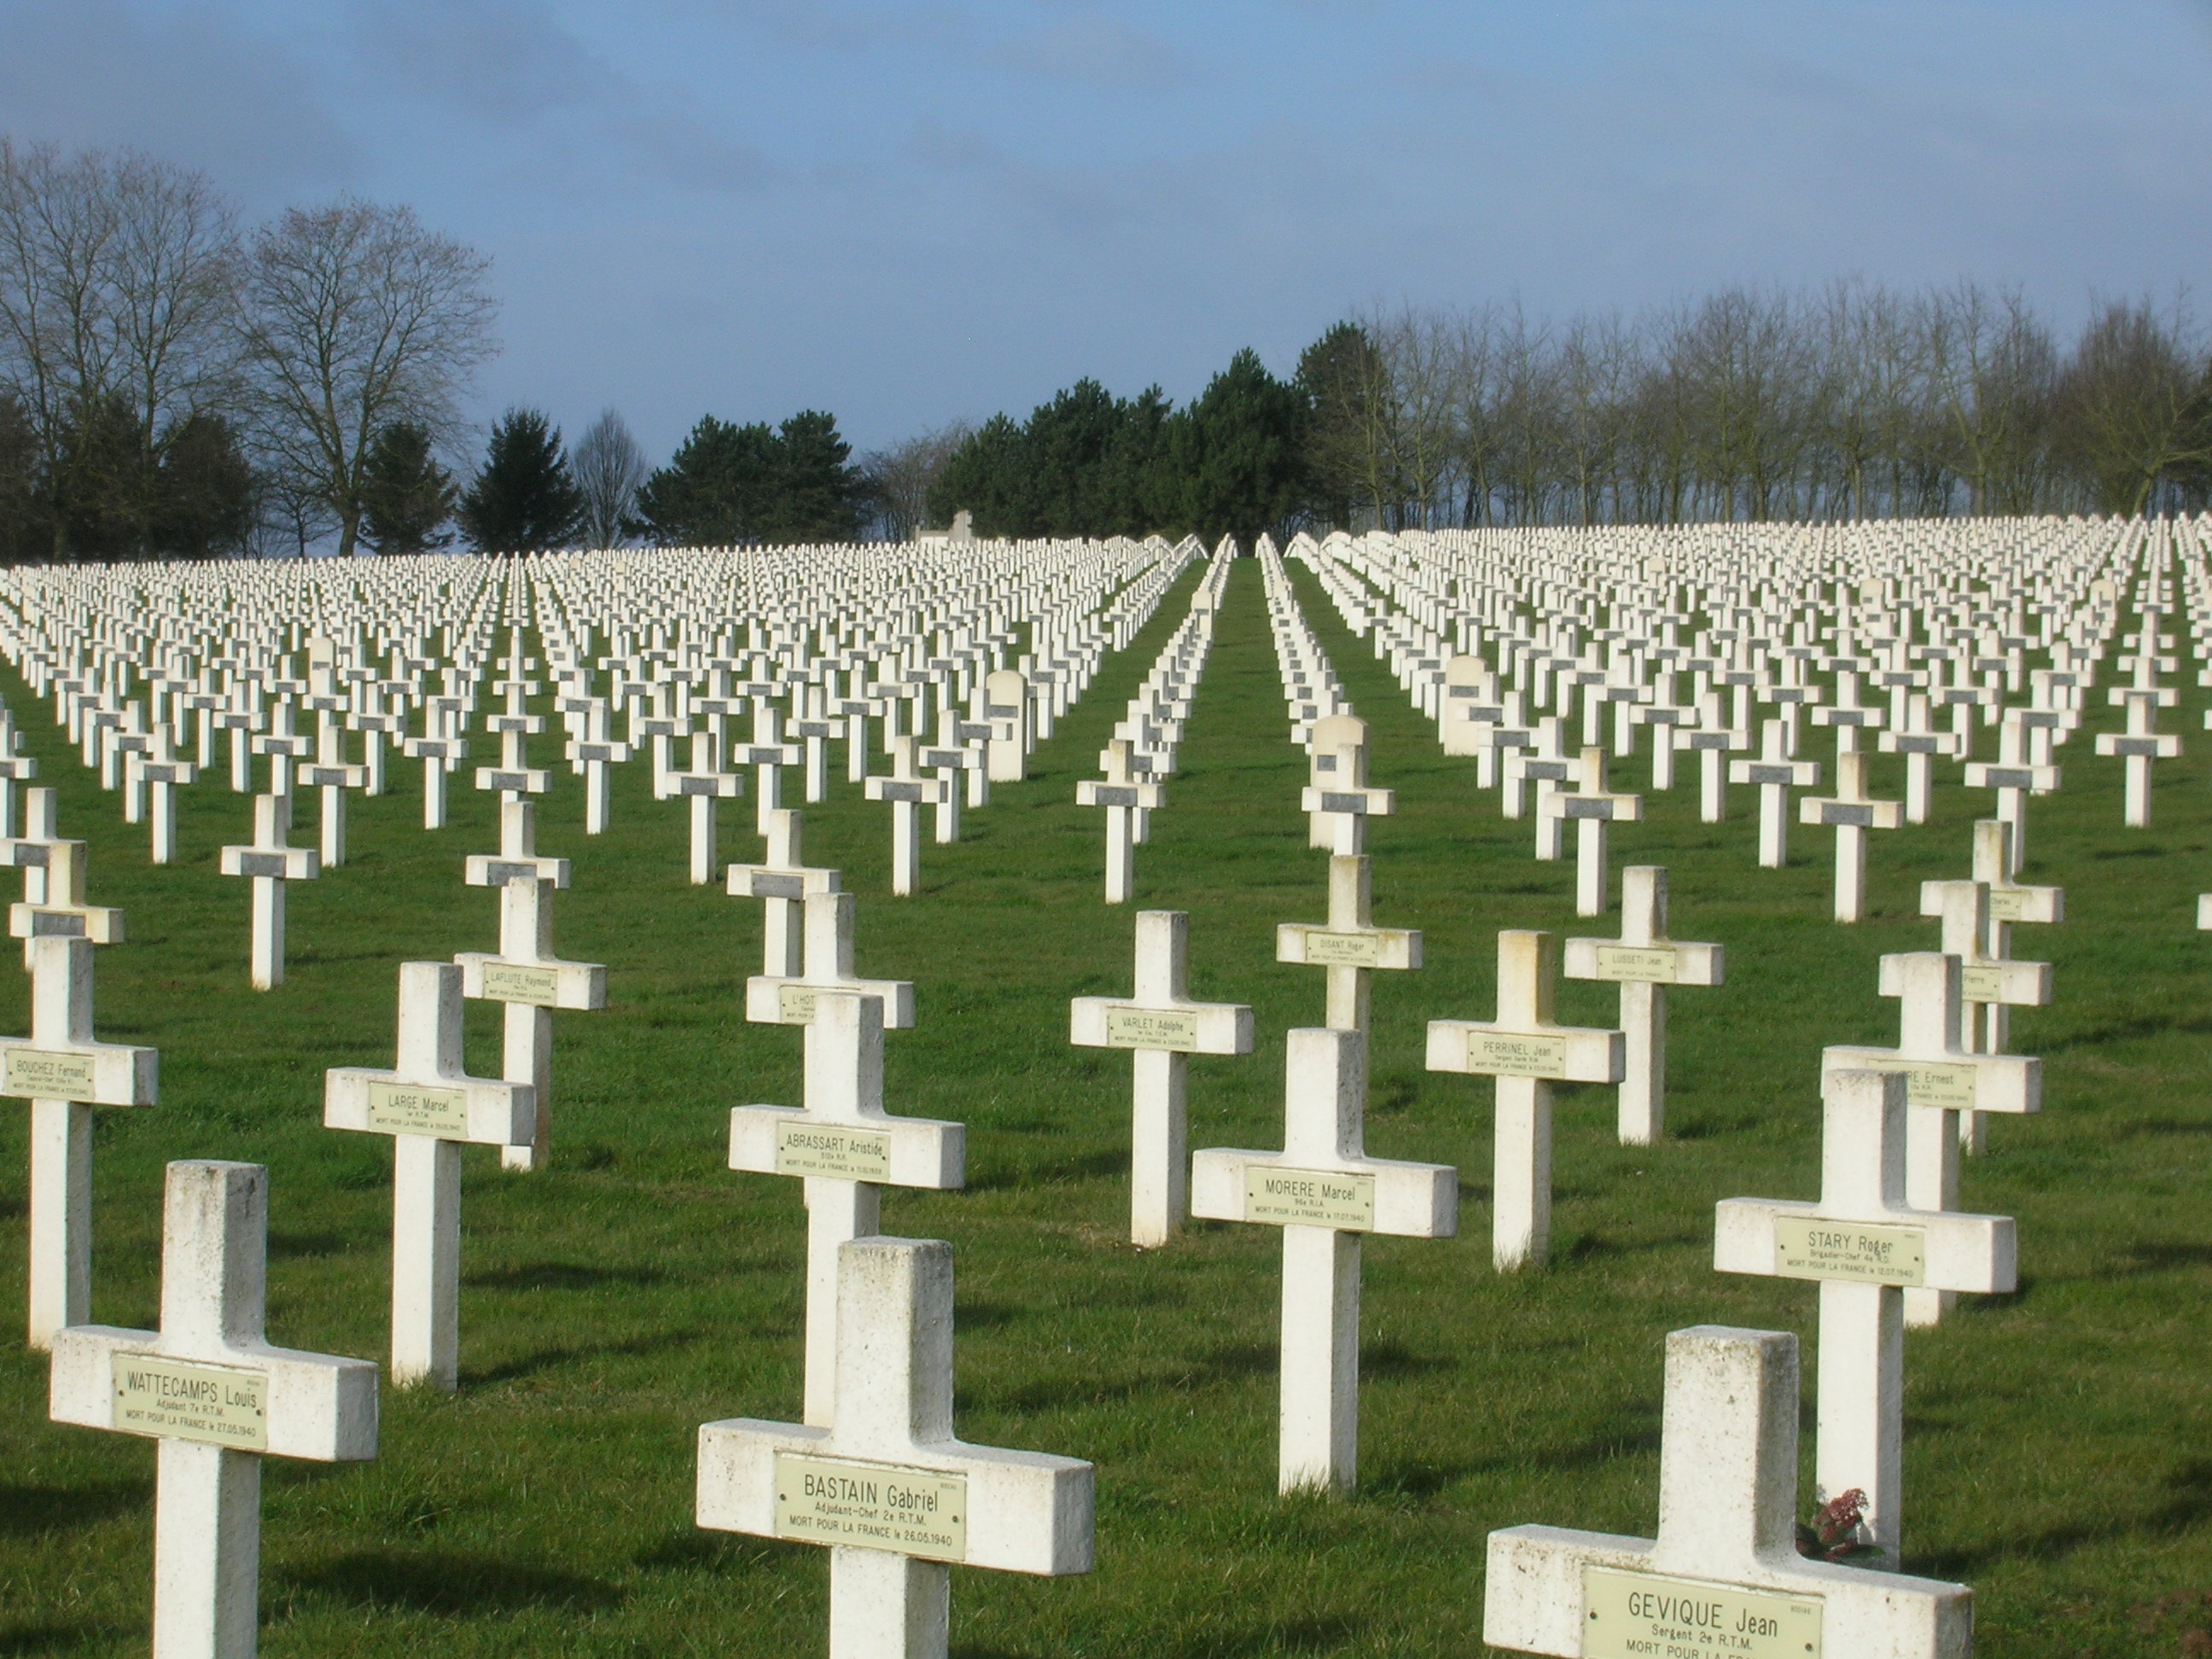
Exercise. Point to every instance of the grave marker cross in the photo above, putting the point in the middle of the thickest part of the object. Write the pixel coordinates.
(1348, 944)
(1124, 795)
(1852, 812)
(269, 862)
(1593, 809)
(1777, 775)
(1644, 961)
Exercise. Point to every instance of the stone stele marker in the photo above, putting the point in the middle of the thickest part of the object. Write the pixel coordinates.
(64, 1074)
(1864, 1245)
(847, 1149)
(431, 1108)
(1723, 1576)
(218, 1397)
(885, 1484)
(1323, 1191)
(1164, 1028)
(1644, 961)
(1526, 1052)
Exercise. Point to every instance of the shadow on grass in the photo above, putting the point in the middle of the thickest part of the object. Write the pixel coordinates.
(1076, 1166)
(2186, 1506)
(694, 1550)
(1233, 1362)
(66, 1638)
(559, 1276)
(292, 1246)
(28, 1511)
(544, 1360)
(450, 1583)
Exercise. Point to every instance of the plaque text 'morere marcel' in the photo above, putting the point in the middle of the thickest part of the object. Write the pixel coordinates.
(1310, 1197)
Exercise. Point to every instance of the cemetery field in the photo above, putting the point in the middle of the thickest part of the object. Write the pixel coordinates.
(2058, 1448)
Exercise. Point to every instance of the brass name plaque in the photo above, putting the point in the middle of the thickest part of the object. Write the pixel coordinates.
(872, 1506)
(1980, 984)
(1151, 1027)
(1636, 1616)
(1503, 1055)
(2008, 903)
(1310, 1197)
(539, 987)
(833, 1149)
(1343, 949)
(1652, 964)
(1806, 1246)
(47, 1074)
(411, 1109)
(214, 1405)
(1931, 1082)
(794, 1005)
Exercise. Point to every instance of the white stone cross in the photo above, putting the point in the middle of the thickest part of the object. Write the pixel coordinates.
(525, 975)
(1593, 809)
(782, 883)
(883, 1483)
(1163, 1028)
(1777, 775)
(2015, 779)
(1713, 739)
(1990, 982)
(705, 785)
(827, 965)
(1324, 1191)
(1329, 762)
(2139, 745)
(161, 773)
(1526, 1050)
(1348, 944)
(1864, 1244)
(269, 863)
(1644, 961)
(846, 1148)
(282, 745)
(1341, 800)
(768, 753)
(907, 791)
(327, 771)
(514, 777)
(1124, 795)
(54, 873)
(1919, 742)
(1943, 1078)
(64, 1072)
(210, 1387)
(439, 751)
(1547, 764)
(1724, 1576)
(431, 1108)
(592, 752)
(1852, 812)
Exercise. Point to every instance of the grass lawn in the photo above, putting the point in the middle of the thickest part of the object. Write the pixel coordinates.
(2058, 1451)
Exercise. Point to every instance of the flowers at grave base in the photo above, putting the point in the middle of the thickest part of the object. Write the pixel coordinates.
(1832, 1534)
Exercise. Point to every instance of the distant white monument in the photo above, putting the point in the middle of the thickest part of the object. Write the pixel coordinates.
(963, 530)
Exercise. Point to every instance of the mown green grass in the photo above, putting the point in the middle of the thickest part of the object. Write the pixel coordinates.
(2059, 1443)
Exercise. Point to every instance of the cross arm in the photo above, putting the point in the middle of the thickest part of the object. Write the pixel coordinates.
(277, 863)
(1957, 1251)
(1615, 809)
(498, 869)
(723, 786)
(1569, 1053)
(2158, 745)
(1375, 803)
(771, 999)
(487, 976)
(1090, 792)
(766, 881)
(316, 776)
(96, 922)
(1025, 1512)
(482, 1111)
(1866, 814)
(95, 1073)
(927, 791)
(1315, 945)
(1359, 1194)
(1957, 1082)
(897, 1151)
(1665, 961)
(314, 1407)
(524, 780)
(2000, 774)
(1196, 1028)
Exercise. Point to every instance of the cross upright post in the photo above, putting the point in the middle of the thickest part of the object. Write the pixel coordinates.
(1644, 961)
(327, 771)
(846, 1148)
(1943, 1078)
(1852, 812)
(705, 785)
(1163, 1028)
(269, 862)
(525, 975)
(1593, 809)
(1526, 1050)
(1348, 944)
(1864, 1244)
(1725, 1563)
(431, 1108)
(881, 1480)
(1324, 1191)
(217, 1397)
(64, 1072)
(1777, 775)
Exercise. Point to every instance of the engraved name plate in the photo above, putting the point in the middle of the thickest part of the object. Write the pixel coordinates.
(1504, 1055)
(46, 1074)
(833, 1149)
(1310, 1197)
(1980, 984)
(1806, 1246)
(2008, 903)
(794, 1005)
(872, 1506)
(1343, 949)
(504, 982)
(214, 1405)
(1635, 1615)
(1931, 1082)
(1151, 1027)
(1653, 965)
(411, 1109)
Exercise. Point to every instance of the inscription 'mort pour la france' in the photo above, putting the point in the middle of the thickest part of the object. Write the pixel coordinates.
(872, 1506)
(1310, 1197)
(506, 982)
(832, 1149)
(1635, 1615)
(1151, 1027)
(214, 1405)
(47, 1074)
(412, 1109)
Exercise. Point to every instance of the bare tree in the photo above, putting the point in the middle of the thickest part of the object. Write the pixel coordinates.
(608, 466)
(2132, 405)
(900, 477)
(117, 291)
(357, 316)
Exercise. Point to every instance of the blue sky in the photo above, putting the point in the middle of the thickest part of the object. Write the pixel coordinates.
(909, 213)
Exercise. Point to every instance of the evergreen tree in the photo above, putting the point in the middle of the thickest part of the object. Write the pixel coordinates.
(406, 496)
(814, 493)
(525, 498)
(986, 476)
(1235, 454)
(714, 490)
(1344, 382)
(205, 493)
